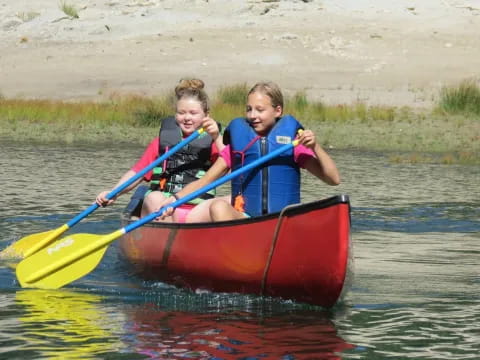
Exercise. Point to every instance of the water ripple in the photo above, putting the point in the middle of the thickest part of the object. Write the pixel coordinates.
(416, 236)
(420, 331)
(419, 218)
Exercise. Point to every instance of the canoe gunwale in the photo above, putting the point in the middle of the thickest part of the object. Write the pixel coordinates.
(291, 210)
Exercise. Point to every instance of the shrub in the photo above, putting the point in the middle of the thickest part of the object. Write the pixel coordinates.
(69, 9)
(464, 98)
(233, 95)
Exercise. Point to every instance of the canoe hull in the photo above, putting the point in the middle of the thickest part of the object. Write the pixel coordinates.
(301, 253)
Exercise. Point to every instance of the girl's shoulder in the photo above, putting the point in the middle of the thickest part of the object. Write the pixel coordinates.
(153, 146)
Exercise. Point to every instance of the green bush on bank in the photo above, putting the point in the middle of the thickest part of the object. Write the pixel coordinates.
(464, 98)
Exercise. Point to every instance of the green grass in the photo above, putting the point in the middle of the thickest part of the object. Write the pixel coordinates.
(69, 9)
(232, 95)
(447, 137)
(464, 98)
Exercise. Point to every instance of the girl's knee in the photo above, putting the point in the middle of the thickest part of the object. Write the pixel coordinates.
(151, 201)
(221, 210)
(219, 205)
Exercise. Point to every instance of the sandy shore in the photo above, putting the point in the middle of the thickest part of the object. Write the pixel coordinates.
(399, 52)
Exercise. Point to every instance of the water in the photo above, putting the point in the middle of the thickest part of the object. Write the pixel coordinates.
(415, 293)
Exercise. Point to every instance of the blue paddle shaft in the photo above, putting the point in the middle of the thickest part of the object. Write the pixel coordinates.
(206, 188)
(135, 177)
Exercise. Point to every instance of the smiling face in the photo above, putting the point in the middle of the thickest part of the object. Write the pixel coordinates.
(189, 115)
(261, 114)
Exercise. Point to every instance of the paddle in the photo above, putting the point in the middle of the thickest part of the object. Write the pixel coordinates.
(72, 257)
(30, 244)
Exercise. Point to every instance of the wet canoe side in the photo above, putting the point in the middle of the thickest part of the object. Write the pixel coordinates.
(301, 253)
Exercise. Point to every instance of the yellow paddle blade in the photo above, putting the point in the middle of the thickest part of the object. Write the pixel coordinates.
(64, 261)
(30, 244)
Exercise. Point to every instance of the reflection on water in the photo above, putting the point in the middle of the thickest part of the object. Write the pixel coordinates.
(177, 334)
(64, 324)
(415, 294)
(59, 324)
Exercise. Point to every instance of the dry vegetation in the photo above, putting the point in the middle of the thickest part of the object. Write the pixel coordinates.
(449, 133)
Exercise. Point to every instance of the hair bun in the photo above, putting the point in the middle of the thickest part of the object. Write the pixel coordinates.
(191, 84)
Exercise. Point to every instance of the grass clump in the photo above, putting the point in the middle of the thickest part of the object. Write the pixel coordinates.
(232, 95)
(229, 102)
(299, 106)
(464, 98)
(69, 9)
(142, 111)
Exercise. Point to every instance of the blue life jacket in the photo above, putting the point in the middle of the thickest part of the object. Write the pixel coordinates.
(273, 185)
(186, 165)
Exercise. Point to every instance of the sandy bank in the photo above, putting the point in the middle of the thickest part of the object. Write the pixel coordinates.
(367, 50)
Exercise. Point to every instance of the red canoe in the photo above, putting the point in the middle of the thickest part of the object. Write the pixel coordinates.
(301, 253)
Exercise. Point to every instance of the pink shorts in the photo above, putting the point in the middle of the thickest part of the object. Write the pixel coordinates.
(181, 212)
